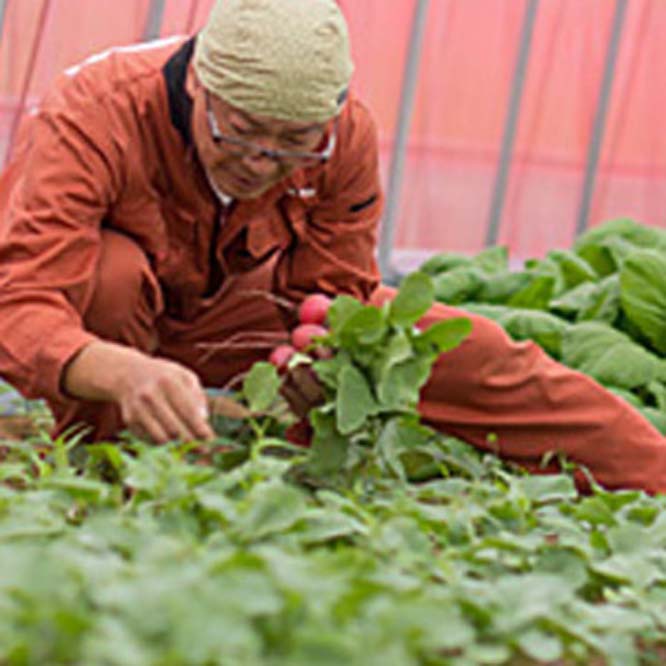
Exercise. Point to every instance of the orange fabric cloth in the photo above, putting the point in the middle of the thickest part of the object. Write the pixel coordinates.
(110, 148)
(125, 304)
(512, 399)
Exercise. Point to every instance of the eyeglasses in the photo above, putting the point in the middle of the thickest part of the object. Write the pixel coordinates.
(242, 148)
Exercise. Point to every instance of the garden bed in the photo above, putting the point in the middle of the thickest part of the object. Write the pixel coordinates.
(410, 553)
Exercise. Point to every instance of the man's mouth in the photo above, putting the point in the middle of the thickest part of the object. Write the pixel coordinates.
(247, 183)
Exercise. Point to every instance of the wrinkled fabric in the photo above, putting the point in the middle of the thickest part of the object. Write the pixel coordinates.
(283, 60)
(511, 399)
(232, 329)
(108, 150)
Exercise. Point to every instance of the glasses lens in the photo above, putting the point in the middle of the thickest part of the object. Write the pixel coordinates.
(240, 148)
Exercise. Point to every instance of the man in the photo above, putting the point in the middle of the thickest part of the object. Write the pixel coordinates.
(163, 193)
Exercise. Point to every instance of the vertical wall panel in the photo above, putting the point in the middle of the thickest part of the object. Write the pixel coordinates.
(570, 47)
(632, 172)
(467, 67)
(459, 122)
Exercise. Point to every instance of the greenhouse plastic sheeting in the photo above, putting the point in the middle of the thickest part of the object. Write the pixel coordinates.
(464, 86)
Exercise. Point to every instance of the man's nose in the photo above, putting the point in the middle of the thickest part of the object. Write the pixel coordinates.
(261, 162)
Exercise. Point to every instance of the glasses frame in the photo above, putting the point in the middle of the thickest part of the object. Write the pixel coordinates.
(276, 155)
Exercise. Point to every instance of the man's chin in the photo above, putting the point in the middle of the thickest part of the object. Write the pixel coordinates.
(250, 194)
(240, 190)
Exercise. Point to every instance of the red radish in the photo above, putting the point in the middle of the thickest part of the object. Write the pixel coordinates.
(314, 309)
(299, 433)
(280, 356)
(302, 336)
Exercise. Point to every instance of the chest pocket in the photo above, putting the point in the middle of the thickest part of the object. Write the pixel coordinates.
(255, 240)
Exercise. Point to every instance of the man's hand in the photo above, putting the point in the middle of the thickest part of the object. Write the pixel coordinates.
(302, 390)
(301, 387)
(158, 399)
(165, 401)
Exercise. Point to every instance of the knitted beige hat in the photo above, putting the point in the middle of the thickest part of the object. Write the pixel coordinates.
(283, 59)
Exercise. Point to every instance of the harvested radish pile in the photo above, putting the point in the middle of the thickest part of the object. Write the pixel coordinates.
(383, 543)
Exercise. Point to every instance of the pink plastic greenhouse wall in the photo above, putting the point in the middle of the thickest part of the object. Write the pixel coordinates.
(466, 73)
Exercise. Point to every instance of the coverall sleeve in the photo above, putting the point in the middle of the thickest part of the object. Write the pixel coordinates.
(50, 239)
(334, 251)
(512, 399)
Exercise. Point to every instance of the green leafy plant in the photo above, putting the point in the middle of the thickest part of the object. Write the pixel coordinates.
(406, 548)
(379, 361)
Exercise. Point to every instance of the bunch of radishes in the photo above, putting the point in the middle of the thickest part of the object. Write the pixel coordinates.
(312, 315)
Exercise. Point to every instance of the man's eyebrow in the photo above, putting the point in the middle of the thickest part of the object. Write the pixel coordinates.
(249, 119)
(257, 125)
(305, 130)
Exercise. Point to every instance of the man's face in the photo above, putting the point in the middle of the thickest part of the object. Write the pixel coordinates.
(244, 154)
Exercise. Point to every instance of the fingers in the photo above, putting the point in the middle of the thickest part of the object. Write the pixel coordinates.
(174, 419)
(301, 387)
(149, 428)
(166, 402)
(297, 403)
(307, 381)
(302, 390)
(192, 407)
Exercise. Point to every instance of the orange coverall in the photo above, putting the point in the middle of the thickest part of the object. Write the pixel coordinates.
(109, 229)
